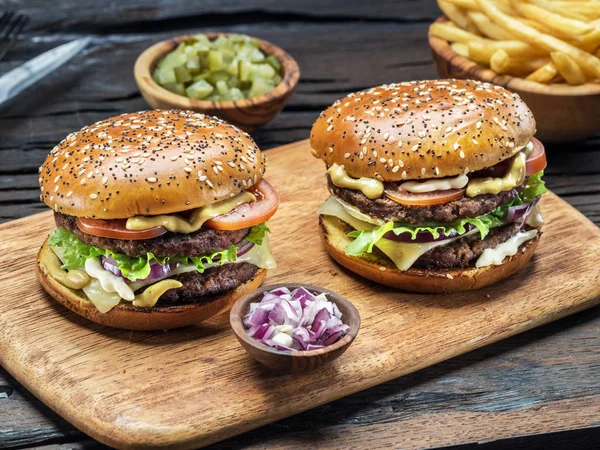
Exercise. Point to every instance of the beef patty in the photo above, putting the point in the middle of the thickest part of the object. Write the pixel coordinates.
(201, 242)
(199, 288)
(389, 210)
(464, 252)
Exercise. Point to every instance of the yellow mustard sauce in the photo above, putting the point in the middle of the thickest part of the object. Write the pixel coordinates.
(514, 177)
(177, 224)
(150, 296)
(74, 279)
(371, 187)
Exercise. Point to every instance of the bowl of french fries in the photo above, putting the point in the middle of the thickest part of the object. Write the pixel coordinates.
(547, 51)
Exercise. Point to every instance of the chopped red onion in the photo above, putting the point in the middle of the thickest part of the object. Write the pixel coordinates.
(298, 320)
(516, 212)
(156, 270)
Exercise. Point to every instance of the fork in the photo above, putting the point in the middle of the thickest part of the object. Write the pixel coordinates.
(10, 28)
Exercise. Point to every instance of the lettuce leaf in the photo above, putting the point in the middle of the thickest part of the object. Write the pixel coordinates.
(75, 252)
(257, 233)
(534, 188)
(366, 239)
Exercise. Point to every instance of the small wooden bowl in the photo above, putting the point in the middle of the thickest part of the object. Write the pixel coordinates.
(295, 361)
(248, 114)
(562, 112)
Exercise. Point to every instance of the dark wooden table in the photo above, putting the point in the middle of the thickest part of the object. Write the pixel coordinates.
(540, 389)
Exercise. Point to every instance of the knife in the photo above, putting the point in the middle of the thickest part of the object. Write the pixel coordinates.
(17, 80)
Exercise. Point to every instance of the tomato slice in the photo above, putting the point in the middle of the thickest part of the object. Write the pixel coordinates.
(536, 160)
(249, 214)
(403, 197)
(116, 229)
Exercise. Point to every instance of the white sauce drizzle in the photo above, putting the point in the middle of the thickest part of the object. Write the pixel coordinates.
(108, 280)
(495, 256)
(442, 184)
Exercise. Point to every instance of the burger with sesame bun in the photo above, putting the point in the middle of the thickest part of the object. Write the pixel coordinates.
(434, 184)
(160, 219)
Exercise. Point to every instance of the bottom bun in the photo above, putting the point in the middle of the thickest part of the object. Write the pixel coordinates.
(382, 270)
(129, 317)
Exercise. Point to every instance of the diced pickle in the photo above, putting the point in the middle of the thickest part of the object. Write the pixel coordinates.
(215, 60)
(199, 90)
(274, 62)
(182, 74)
(260, 86)
(176, 88)
(226, 68)
(222, 87)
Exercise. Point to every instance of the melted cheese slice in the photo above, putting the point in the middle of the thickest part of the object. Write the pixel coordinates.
(495, 256)
(402, 254)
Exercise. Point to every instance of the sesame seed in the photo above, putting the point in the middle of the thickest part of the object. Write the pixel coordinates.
(93, 196)
(456, 146)
(479, 124)
(187, 169)
(462, 154)
(346, 155)
(151, 180)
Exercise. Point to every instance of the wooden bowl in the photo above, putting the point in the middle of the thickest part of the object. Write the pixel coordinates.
(248, 114)
(562, 112)
(295, 361)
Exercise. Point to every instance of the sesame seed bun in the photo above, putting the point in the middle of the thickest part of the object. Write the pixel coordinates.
(128, 317)
(422, 129)
(149, 163)
(383, 271)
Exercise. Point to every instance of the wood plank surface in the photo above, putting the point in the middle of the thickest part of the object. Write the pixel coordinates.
(341, 45)
(111, 383)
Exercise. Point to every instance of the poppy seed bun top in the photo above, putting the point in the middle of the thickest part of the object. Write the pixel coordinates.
(149, 163)
(422, 129)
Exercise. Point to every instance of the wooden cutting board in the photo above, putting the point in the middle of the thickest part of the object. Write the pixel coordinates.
(195, 386)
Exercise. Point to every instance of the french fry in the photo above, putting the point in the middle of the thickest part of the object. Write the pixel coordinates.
(543, 28)
(471, 5)
(460, 48)
(591, 41)
(587, 61)
(567, 26)
(465, 4)
(488, 28)
(589, 9)
(501, 62)
(567, 12)
(453, 34)
(483, 51)
(544, 74)
(457, 15)
(568, 68)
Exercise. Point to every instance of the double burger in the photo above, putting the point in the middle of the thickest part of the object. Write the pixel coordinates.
(434, 184)
(160, 219)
